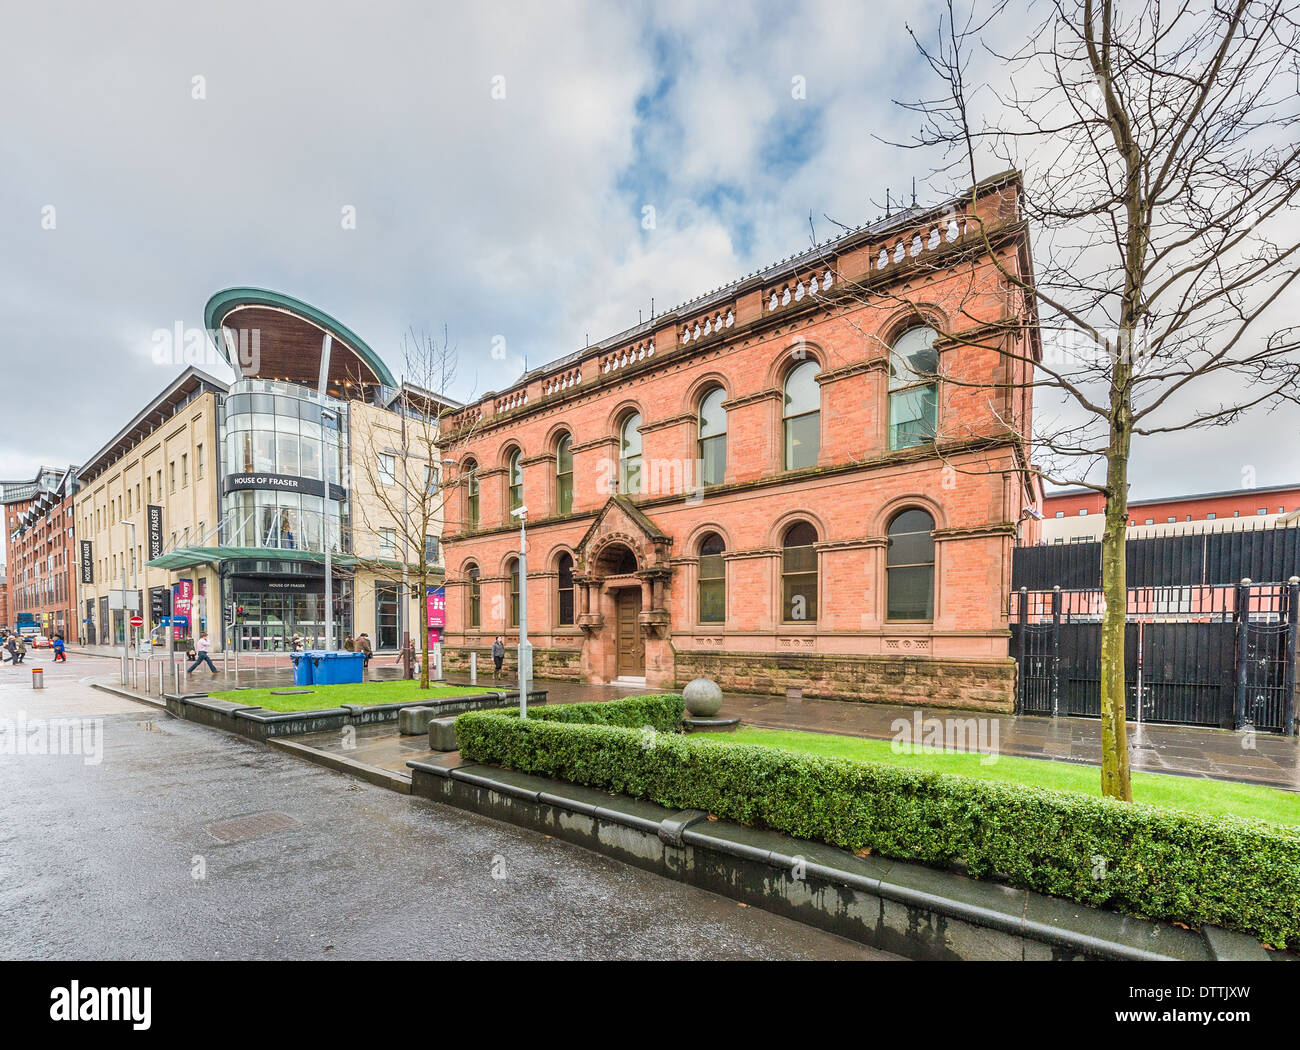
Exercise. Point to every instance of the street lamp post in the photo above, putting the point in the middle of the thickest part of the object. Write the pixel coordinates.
(135, 582)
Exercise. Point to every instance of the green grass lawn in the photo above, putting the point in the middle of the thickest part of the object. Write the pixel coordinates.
(1190, 793)
(365, 693)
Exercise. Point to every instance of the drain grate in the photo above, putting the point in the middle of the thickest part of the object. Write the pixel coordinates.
(241, 828)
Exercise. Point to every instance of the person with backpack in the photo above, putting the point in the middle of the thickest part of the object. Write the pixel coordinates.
(60, 650)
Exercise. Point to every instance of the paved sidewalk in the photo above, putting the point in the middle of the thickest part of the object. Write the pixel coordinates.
(1214, 753)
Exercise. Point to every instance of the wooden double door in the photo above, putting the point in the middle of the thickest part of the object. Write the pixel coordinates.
(629, 643)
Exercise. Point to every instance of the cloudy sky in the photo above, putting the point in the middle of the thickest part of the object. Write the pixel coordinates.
(518, 216)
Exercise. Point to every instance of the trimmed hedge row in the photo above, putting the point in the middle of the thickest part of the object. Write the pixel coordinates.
(663, 711)
(1151, 862)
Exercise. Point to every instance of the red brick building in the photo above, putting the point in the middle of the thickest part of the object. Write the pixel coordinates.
(1078, 513)
(788, 483)
(39, 546)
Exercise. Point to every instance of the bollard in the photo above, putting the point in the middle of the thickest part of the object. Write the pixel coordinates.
(473, 668)
(38, 678)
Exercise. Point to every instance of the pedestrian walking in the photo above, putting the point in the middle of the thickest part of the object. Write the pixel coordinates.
(20, 653)
(201, 655)
(349, 646)
(498, 656)
(363, 645)
(60, 650)
(11, 650)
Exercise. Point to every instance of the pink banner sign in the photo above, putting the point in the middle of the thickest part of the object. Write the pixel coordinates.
(436, 599)
(182, 602)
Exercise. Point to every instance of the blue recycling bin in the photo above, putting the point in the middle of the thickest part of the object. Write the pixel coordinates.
(301, 669)
(330, 668)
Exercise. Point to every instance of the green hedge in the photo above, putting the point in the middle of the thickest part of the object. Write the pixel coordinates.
(1158, 863)
(663, 711)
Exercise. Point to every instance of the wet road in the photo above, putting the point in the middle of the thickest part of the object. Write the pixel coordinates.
(133, 857)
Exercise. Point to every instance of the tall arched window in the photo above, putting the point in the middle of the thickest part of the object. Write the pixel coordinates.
(564, 585)
(516, 479)
(913, 392)
(909, 567)
(713, 580)
(471, 495)
(712, 452)
(629, 455)
(799, 574)
(513, 572)
(475, 613)
(564, 475)
(802, 416)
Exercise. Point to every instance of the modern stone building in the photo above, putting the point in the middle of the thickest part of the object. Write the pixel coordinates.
(219, 501)
(786, 484)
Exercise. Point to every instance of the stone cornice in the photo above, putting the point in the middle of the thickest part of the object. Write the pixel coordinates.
(666, 422)
(608, 439)
(1001, 528)
(771, 393)
(877, 364)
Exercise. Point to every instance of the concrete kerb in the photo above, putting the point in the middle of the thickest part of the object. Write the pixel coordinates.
(919, 912)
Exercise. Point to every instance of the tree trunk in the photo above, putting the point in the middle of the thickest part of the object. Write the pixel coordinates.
(1114, 585)
(424, 631)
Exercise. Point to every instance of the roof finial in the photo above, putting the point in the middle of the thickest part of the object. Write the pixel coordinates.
(913, 191)
(887, 202)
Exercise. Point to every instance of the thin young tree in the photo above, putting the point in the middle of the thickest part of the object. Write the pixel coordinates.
(1160, 168)
(401, 507)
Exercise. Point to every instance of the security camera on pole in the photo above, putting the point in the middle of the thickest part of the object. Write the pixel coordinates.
(525, 647)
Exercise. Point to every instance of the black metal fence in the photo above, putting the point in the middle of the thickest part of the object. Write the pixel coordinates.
(1215, 557)
(1194, 653)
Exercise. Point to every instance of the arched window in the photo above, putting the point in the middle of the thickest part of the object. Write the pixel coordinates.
(513, 572)
(913, 392)
(909, 567)
(475, 616)
(516, 478)
(713, 580)
(712, 451)
(802, 416)
(799, 574)
(565, 588)
(471, 495)
(629, 455)
(564, 475)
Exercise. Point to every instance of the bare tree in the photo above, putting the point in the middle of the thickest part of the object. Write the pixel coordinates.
(1160, 173)
(401, 508)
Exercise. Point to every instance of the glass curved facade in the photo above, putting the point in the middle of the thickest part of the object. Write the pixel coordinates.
(285, 458)
(284, 467)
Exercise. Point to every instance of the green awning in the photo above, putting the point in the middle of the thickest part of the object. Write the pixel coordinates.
(193, 557)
